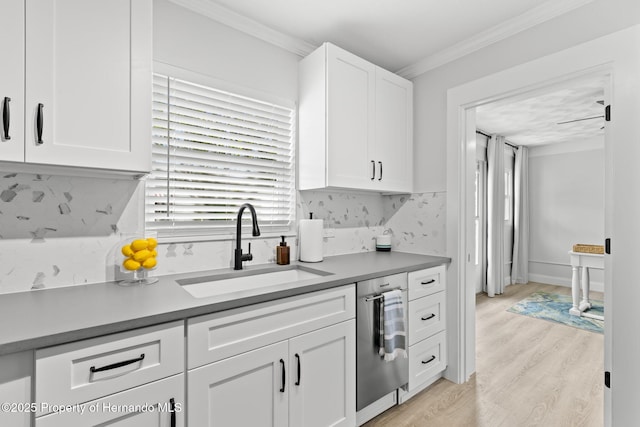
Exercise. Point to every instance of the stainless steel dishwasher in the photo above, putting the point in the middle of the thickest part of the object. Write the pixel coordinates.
(375, 377)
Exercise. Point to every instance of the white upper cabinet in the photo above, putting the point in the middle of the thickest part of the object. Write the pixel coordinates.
(86, 83)
(12, 81)
(394, 131)
(355, 122)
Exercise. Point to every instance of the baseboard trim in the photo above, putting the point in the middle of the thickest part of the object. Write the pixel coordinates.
(562, 281)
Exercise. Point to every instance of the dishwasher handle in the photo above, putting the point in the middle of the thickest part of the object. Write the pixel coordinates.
(378, 296)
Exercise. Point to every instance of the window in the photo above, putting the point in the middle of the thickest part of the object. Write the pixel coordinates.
(213, 151)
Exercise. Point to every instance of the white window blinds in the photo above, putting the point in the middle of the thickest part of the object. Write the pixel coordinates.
(212, 152)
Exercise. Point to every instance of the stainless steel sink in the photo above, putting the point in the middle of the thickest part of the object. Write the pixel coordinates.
(245, 281)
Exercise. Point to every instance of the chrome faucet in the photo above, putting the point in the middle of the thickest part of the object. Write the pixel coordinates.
(239, 257)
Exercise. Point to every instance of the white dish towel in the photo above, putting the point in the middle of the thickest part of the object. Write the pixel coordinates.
(391, 327)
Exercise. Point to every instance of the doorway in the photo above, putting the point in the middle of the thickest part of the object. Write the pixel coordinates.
(617, 56)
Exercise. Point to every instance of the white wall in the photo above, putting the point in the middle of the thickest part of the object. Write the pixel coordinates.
(566, 195)
(591, 21)
(186, 39)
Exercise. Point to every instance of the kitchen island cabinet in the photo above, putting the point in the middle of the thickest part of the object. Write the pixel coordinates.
(81, 74)
(356, 124)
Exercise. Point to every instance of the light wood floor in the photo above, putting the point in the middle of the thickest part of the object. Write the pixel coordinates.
(530, 372)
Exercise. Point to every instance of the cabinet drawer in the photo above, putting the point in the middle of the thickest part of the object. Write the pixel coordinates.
(159, 404)
(426, 282)
(426, 317)
(426, 359)
(86, 370)
(217, 336)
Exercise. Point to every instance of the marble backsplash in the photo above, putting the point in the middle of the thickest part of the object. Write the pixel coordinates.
(60, 231)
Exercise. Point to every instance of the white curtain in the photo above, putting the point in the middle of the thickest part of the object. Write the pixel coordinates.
(520, 265)
(495, 216)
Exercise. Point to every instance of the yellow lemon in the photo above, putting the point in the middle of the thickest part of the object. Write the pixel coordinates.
(142, 255)
(152, 243)
(127, 251)
(149, 263)
(154, 253)
(131, 264)
(139, 244)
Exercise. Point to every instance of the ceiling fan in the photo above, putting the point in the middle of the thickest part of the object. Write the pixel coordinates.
(601, 102)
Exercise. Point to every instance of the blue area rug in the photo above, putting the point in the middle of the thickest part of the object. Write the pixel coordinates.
(555, 308)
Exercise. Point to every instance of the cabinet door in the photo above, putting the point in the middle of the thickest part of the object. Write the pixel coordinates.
(157, 404)
(88, 74)
(322, 377)
(12, 81)
(350, 113)
(245, 390)
(16, 375)
(393, 132)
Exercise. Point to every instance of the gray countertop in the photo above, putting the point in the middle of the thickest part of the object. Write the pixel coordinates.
(49, 317)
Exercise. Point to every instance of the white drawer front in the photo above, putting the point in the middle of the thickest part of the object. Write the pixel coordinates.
(86, 370)
(426, 317)
(159, 404)
(217, 336)
(426, 359)
(426, 282)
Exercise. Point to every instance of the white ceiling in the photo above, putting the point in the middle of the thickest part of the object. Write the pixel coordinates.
(534, 120)
(395, 35)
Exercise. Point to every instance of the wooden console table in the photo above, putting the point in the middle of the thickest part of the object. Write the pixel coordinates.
(584, 261)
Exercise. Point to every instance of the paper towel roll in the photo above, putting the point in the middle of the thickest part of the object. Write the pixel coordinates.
(310, 236)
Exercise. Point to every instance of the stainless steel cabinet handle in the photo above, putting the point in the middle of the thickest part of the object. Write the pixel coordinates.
(284, 376)
(39, 124)
(431, 316)
(373, 170)
(431, 359)
(6, 117)
(380, 179)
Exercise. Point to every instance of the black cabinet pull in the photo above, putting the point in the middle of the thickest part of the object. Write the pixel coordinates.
(431, 359)
(380, 179)
(6, 117)
(428, 282)
(39, 123)
(431, 316)
(284, 376)
(373, 170)
(117, 365)
(172, 409)
(299, 374)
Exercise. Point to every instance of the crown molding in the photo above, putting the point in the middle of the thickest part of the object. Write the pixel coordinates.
(531, 18)
(246, 25)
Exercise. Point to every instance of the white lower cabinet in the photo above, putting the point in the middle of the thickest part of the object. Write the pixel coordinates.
(306, 380)
(158, 404)
(427, 329)
(16, 376)
(243, 390)
(322, 389)
(132, 378)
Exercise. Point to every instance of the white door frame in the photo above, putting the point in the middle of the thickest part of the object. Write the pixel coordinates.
(617, 54)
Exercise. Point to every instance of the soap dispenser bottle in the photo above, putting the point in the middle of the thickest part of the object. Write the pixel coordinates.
(282, 253)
